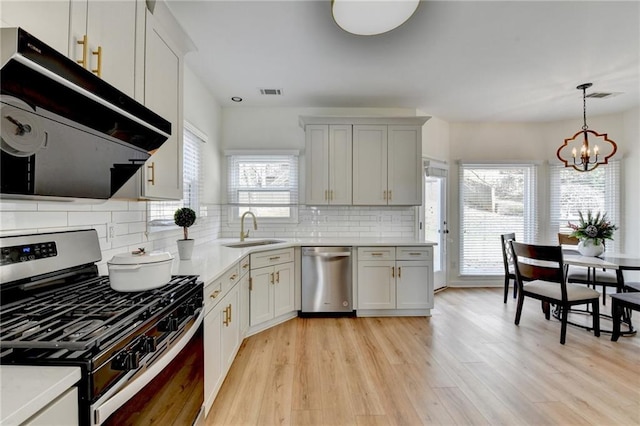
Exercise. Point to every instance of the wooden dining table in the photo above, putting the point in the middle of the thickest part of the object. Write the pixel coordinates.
(617, 262)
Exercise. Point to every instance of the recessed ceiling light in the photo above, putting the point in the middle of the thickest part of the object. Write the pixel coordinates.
(236, 99)
(371, 17)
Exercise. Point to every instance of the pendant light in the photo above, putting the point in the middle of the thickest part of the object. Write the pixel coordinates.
(371, 17)
(590, 154)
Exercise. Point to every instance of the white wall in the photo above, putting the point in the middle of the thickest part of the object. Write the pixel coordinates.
(504, 142)
(435, 139)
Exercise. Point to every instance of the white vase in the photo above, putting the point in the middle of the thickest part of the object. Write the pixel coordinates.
(590, 248)
(185, 249)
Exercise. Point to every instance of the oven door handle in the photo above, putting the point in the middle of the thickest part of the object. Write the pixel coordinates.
(103, 409)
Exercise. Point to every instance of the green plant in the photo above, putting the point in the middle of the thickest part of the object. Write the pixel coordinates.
(184, 217)
(596, 228)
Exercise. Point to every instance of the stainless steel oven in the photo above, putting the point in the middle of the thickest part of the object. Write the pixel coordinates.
(140, 353)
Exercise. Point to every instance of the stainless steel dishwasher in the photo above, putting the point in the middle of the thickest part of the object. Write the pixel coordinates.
(326, 280)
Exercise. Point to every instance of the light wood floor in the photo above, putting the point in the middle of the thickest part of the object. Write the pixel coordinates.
(467, 364)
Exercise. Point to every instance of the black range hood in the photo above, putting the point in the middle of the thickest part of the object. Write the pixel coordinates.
(66, 132)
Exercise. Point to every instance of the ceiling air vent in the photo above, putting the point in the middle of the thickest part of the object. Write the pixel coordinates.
(603, 95)
(277, 92)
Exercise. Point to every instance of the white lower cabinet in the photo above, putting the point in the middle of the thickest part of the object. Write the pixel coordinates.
(222, 338)
(272, 285)
(62, 411)
(395, 278)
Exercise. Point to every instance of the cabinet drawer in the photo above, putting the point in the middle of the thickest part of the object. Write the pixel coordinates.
(272, 257)
(244, 266)
(376, 253)
(414, 253)
(212, 295)
(230, 278)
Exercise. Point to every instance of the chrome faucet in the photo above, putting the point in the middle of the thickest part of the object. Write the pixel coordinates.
(244, 235)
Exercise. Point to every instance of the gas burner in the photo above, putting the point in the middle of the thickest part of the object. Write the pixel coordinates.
(83, 329)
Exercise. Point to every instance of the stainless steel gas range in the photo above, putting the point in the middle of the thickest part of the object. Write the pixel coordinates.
(140, 353)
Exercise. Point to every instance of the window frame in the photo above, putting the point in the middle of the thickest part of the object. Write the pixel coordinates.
(529, 215)
(235, 208)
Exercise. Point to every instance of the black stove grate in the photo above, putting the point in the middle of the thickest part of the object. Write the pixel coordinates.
(82, 316)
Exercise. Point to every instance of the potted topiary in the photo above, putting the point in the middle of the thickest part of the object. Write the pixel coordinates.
(184, 218)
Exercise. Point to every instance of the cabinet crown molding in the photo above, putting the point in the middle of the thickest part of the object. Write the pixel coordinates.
(305, 120)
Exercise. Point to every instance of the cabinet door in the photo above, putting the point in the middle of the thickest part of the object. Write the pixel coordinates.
(369, 165)
(111, 26)
(317, 163)
(213, 371)
(413, 289)
(261, 296)
(404, 160)
(340, 165)
(48, 21)
(284, 300)
(376, 285)
(230, 327)
(162, 94)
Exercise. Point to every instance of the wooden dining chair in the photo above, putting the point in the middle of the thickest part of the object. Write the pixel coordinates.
(589, 276)
(540, 275)
(509, 270)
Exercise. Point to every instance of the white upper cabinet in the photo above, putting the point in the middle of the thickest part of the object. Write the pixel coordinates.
(329, 166)
(103, 39)
(46, 20)
(370, 165)
(366, 161)
(404, 165)
(163, 70)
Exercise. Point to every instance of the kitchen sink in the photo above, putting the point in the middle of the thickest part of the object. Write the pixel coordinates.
(243, 244)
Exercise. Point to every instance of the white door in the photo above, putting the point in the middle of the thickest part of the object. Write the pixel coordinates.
(434, 217)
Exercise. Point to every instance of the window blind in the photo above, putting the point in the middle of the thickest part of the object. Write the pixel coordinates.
(494, 200)
(572, 191)
(266, 184)
(160, 213)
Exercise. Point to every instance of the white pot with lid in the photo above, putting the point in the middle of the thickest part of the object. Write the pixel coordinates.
(139, 271)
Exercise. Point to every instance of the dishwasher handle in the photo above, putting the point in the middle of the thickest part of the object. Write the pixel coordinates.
(325, 254)
(328, 255)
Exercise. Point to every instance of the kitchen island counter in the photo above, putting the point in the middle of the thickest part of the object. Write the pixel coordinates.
(25, 390)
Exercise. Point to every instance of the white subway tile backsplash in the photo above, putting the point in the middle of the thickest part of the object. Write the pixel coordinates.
(128, 216)
(89, 218)
(33, 219)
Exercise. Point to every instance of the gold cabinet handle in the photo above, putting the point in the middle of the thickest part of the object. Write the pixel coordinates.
(274, 258)
(245, 266)
(225, 320)
(233, 277)
(214, 294)
(230, 309)
(272, 278)
(376, 254)
(390, 196)
(250, 284)
(152, 168)
(331, 195)
(393, 272)
(98, 70)
(85, 46)
(415, 254)
(399, 271)
(384, 195)
(278, 276)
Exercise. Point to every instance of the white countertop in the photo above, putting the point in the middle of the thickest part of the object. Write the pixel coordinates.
(25, 390)
(211, 260)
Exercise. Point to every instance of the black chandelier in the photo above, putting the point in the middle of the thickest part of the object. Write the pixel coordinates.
(588, 158)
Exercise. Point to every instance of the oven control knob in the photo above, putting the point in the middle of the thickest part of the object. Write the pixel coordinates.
(168, 324)
(126, 360)
(149, 343)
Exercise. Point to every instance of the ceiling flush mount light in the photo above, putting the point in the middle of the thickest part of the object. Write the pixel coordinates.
(236, 99)
(589, 158)
(371, 17)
